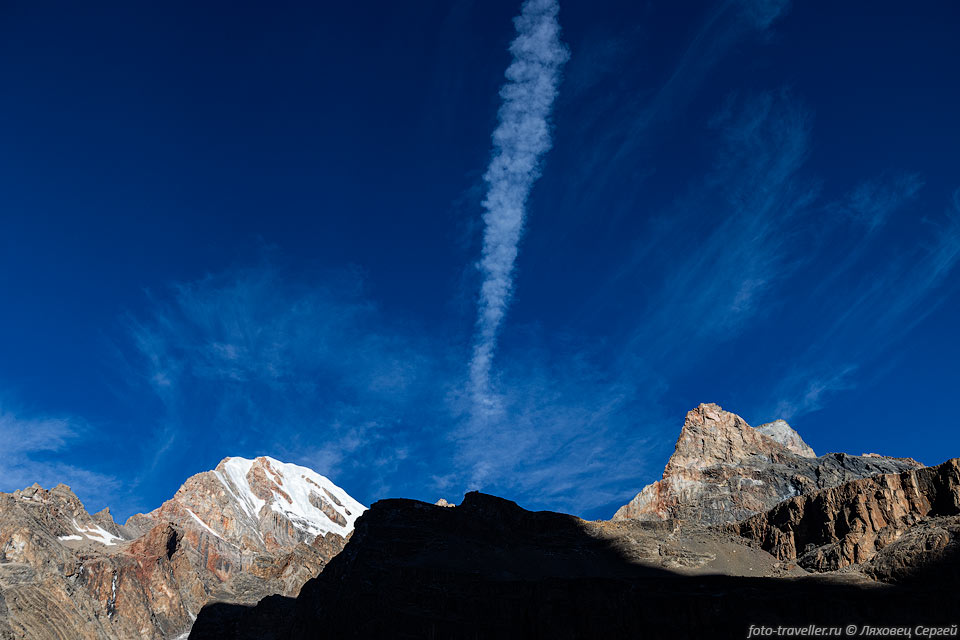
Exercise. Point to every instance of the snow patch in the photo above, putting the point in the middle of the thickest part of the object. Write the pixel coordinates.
(97, 534)
(203, 524)
(69, 538)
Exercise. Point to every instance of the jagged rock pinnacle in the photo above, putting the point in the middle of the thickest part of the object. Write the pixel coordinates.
(724, 470)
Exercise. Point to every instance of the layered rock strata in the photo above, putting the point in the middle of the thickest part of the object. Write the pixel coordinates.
(873, 520)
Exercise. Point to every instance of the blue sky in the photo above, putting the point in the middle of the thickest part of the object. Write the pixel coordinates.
(233, 230)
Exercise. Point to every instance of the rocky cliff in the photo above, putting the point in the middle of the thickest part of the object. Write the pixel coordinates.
(888, 522)
(245, 530)
(724, 470)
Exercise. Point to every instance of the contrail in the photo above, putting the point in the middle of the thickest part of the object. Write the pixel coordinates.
(519, 141)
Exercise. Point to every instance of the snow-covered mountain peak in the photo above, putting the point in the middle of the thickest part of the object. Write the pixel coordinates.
(310, 501)
(261, 504)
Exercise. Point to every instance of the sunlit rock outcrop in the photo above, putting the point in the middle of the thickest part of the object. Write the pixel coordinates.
(724, 470)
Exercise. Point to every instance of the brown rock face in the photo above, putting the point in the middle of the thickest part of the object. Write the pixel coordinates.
(724, 470)
(235, 534)
(931, 546)
(864, 521)
(63, 577)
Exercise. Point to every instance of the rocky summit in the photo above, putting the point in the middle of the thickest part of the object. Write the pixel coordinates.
(724, 470)
(245, 530)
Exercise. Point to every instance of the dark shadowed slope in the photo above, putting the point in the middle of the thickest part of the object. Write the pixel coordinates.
(488, 568)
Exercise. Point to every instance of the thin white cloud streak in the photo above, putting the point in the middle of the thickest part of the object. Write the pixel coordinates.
(811, 390)
(579, 425)
(520, 140)
(706, 280)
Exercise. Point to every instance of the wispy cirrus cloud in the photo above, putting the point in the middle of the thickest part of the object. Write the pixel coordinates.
(313, 371)
(710, 262)
(620, 128)
(754, 237)
(573, 434)
(722, 27)
(746, 243)
(873, 201)
(772, 237)
(255, 360)
(38, 450)
(811, 388)
(260, 360)
(863, 315)
(520, 140)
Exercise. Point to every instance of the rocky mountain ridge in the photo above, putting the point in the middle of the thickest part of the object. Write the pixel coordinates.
(745, 523)
(864, 522)
(488, 568)
(747, 527)
(724, 470)
(245, 530)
